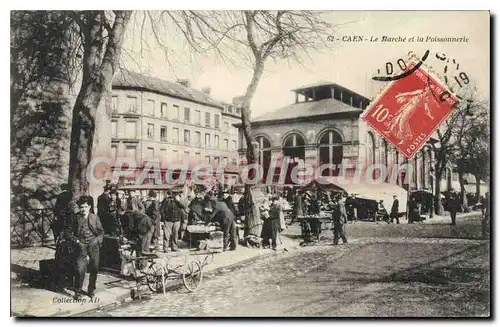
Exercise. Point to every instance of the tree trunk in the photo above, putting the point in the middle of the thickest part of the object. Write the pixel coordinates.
(253, 220)
(98, 70)
(463, 195)
(478, 187)
(438, 207)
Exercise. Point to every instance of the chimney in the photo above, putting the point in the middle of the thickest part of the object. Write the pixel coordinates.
(206, 90)
(238, 101)
(184, 82)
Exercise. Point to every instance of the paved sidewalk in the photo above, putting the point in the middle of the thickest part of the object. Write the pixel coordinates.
(29, 297)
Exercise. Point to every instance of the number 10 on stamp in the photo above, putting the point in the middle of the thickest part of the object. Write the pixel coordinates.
(409, 110)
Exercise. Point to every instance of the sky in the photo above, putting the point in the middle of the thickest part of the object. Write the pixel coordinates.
(351, 64)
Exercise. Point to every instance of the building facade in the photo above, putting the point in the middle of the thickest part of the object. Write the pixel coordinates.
(169, 122)
(324, 126)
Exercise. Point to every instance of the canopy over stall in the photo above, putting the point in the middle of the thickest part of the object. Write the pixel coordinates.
(362, 190)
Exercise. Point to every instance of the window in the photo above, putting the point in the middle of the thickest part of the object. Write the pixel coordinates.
(163, 152)
(233, 161)
(175, 155)
(131, 130)
(216, 141)
(150, 153)
(217, 121)
(163, 133)
(114, 104)
(187, 137)
(207, 159)
(114, 151)
(197, 138)
(226, 144)
(226, 127)
(150, 108)
(150, 131)
(224, 160)
(132, 104)
(233, 145)
(230, 110)
(175, 112)
(130, 152)
(175, 136)
(114, 128)
(207, 119)
(330, 152)
(187, 111)
(197, 117)
(186, 155)
(207, 140)
(163, 110)
(197, 157)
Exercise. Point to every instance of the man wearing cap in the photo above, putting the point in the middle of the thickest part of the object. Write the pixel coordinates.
(172, 221)
(86, 232)
(153, 211)
(229, 201)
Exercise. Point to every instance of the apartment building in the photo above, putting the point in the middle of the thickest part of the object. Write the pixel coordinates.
(167, 121)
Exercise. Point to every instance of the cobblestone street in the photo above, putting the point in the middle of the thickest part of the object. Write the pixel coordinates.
(371, 276)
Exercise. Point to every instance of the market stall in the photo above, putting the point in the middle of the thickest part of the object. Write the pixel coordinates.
(367, 195)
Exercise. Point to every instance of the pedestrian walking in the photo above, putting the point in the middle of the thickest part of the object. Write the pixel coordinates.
(453, 206)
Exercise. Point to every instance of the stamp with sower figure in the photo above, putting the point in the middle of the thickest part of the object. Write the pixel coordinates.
(410, 109)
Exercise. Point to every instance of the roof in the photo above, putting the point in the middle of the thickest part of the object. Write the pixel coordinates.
(308, 109)
(128, 79)
(314, 85)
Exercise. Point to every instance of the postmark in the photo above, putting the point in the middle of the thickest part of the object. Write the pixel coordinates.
(410, 109)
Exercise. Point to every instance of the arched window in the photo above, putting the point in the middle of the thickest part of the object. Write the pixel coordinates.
(330, 152)
(293, 146)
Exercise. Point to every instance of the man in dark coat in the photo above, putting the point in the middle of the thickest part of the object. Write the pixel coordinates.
(225, 218)
(453, 206)
(395, 210)
(86, 233)
(103, 209)
(153, 211)
(63, 211)
(339, 220)
(175, 213)
(228, 199)
(139, 227)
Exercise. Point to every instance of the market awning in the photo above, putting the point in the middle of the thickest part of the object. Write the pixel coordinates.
(363, 190)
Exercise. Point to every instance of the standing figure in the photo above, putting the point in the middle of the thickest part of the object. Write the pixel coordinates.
(453, 206)
(103, 212)
(153, 211)
(86, 232)
(64, 210)
(395, 210)
(339, 216)
(172, 223)
(134, 203)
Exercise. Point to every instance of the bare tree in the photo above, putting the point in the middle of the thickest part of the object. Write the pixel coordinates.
(254, 38)
(102, 35)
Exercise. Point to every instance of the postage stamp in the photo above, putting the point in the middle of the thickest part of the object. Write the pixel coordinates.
(410, 109)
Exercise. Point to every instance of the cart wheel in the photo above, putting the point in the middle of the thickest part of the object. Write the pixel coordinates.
(154, 277)
(192, 276)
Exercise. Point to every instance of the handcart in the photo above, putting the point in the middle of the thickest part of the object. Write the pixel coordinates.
(154, 271)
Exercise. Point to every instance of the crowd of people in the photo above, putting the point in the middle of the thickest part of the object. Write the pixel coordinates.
(129, 217)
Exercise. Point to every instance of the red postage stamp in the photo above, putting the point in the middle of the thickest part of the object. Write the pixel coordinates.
(409, 110)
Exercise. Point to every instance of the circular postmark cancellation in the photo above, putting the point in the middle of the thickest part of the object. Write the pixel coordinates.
(415, 101)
